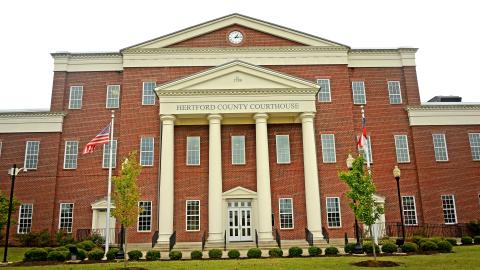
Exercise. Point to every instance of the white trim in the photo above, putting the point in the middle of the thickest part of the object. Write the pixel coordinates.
(70, 97)
(329, 91)
(454, 209)
(339, 212)
(396, 147)
(31, 122)
(243, 150)
(106, 100)
(443, 146)
(390, 94)
(65, 155)
(143, 93)
(151, 217)
(37, 155)
(414, 208)
(153, 151)
(364, 93)
(470, 136)
(334, 148)
(60, 216)
(186, 216)
(114, 154)
(277, 149)
(20, 216)
(1, 146)
(448, 114)
(280, 215)
(187, 151)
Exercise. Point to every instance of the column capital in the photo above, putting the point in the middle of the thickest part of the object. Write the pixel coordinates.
(167, 117)
(259, 117)
(307, 115)
(212, 118)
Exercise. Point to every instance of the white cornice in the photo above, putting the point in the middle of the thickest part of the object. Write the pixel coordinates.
(229, 92)
(440, 115)
(20, 122)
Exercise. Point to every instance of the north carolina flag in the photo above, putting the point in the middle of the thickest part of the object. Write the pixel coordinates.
(102, 138)
(362, 140)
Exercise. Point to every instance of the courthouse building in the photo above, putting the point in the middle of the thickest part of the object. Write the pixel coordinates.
(241, 127)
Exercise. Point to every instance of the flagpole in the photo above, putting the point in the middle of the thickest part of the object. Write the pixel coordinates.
(367, 145)
(110, 165)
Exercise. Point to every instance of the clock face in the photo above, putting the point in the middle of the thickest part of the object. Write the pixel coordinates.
(235, 37)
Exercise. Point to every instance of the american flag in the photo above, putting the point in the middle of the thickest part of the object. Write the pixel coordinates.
(102, 138)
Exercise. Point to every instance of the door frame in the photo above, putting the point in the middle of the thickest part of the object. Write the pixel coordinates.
(240, 210)
(240, 194)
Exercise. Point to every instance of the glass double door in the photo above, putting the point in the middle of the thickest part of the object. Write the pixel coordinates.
(240, 221)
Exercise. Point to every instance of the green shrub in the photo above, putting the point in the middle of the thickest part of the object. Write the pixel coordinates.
(72, 248)
(389, 248)
(467, 240)
(275, 252)
(476, 240)
(175, 255)
(417, 240)
(233, 254)
(254, 253)
(87, 245)
(474, 227)
(215, 253)
(331, 251)
(350, 248)
(153, 255)
(97, 239)
(56, 256)
(112, 253)
(81, 254)
(63, 238)
(314, 251)
(27, 239)
(135, 255)
(385, 241)
(444, 246)
(196, 255)
(95, 254)
(409, 247)
(368, 248)
(428, 246)
(436, 240)
(63, 249)
(295, 252)
(35, 254)
(452, 241)
(44, 239)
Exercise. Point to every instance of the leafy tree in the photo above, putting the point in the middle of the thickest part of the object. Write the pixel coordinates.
(126, 194)
(4, 203)
(361, 193)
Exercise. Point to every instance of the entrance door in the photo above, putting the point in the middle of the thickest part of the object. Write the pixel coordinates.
(101, 225)
(240, 221)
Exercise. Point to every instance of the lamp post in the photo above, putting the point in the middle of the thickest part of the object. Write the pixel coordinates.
(396, 174)
(13, 172)
(358, 247)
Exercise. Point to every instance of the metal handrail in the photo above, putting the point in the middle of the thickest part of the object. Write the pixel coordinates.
(278, 238)
(225, 241)
(204, 240)
(309, 237)
(154, 238)
(256, 238)
(172, 241)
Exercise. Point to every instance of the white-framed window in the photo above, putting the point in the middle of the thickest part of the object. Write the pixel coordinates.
(328, 148)
(474, 139)
(324, 94)
(25, 215)
(106, 155)
(76, 95)
(32, 148)
(65, 222)
(401, 147)
(238, 150)
(148, 94)
(394, 92)
(113, 96)
(449, 211)
(440, 147)
(193, 150)
(362, 151)
(409, 210)
(334, 219)
(282, 143)
(358, 89)
(192, 210)
(146, 151)
(71, 154)
(145, 216)
(285, 210)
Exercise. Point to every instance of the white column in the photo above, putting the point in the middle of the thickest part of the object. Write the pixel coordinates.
(263, 179)
(215, 179)
(165, 208)
(312, 193)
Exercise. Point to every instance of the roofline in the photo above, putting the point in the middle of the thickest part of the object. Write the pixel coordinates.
(31, 114)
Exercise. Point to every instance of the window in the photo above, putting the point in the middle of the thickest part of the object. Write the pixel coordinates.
(25, 218)
(71, 154)
(474, 139)
(106, 155)
(401, 147)
(394, 92)
(146, 151)
(286, 213)
(76, 94)
(324, 92)
(358, 88)
(113, 96)
(333, 212)
(148, 95)
(449, 212)
(238, 150)
(65, 222)
(283, 149)
(31, 155)
(440, 147)
(193, 150)
(328, 148)
(145, 216)
(409, 210)
(193, 215)
(362, 151)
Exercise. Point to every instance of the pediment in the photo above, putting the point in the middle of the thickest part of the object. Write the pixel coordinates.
(102, 204)
(378, 198)
(239, 192)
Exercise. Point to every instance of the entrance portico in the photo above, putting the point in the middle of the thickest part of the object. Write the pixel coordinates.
(238, 93)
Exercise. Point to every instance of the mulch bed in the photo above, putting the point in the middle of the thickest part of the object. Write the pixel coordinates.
(371, 263)
(42, 263)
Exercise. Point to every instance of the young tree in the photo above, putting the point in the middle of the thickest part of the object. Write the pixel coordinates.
(361, 193)
(126, 194)
(4, 203)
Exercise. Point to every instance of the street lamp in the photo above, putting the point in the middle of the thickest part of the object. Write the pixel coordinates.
(358, 247)
(396, 174)
(13, 172)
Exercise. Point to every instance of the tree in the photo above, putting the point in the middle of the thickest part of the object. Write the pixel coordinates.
(361, 193)
(126, 194)
(4, 203)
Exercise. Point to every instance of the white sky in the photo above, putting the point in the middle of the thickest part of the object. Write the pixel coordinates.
(447, 34)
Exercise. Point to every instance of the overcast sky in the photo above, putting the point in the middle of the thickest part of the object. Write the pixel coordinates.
(447, 34)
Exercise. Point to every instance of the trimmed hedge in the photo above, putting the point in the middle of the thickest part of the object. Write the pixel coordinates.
(428, 246)
(112, 253)
(95, 254)
(153, 255)
(368, 248)
(87, 245)
(350, 248)
(389, 248)
(467, 240)
(275, 252)
(409, 247)
(444, 246)
(56, 256)
(233, 254)
(35, 254)
(175, 255)
(81, 254)
(215, 253)
(476, 240)
(331, 251)
(295, 252)
(452, 241)
(314, 251)
(135, 255)
(196, 255)
(254, 253)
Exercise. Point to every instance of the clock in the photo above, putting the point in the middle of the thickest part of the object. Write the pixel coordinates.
(235, 37)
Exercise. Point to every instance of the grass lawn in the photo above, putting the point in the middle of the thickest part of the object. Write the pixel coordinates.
(463, 258)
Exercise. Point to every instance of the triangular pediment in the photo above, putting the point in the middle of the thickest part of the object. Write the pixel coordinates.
(234, 19)
(239, 192)
(237, 75)
(102, 204)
